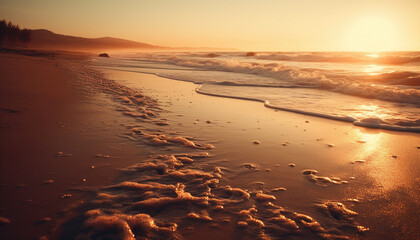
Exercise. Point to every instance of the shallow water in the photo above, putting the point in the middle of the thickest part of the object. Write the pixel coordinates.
(371, 90)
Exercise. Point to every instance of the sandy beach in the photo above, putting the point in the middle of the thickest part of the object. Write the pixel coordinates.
(57, 134)
(360, 167)
(90, 153)
(202, 120)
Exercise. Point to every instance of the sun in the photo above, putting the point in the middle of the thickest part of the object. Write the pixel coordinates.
(372, 55)
(372, 34)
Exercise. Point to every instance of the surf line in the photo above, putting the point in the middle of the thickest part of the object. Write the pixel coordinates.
(360, 123)
(368, 124)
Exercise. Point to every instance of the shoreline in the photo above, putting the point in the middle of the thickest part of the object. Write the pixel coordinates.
(182, 117)
(371, 123)
(347, 141)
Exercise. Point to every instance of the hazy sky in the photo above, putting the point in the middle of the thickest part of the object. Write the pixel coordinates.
(276, 25)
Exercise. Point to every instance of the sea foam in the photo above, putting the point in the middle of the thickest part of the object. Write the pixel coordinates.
(383, 86)
(338, 91)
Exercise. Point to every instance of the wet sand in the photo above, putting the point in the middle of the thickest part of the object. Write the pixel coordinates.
(374, 172)
(53, 124)
(271, 174)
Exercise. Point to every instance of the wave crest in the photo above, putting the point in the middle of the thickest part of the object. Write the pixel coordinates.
(306, 77)
(389, 58)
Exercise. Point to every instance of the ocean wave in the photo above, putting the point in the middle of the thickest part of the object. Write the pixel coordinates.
(385, 58)
(307, 77)
(312, 92)
(397, 78)
(388, 58)
(187, 78)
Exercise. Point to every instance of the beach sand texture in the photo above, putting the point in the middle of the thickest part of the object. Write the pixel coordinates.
(88, 153)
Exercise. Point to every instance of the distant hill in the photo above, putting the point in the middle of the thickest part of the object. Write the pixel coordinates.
(45, 39)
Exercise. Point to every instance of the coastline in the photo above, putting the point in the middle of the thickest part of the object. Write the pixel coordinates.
(387, 174)
(309, 142)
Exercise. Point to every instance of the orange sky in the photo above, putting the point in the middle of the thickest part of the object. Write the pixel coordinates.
(264, 25)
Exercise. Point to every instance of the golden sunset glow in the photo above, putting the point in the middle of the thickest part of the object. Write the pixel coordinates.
(372, 33)
(307, 25)
(217, 119)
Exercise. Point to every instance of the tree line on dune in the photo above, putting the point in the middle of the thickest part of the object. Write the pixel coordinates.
(12, 35)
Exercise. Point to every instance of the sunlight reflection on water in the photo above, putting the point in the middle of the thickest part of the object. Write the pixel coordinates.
(372, 111)
(373, 69)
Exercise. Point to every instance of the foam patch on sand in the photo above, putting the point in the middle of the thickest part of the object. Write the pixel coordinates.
(134, 103)
(339, 212)
(312, 176)
(127, 227)
(162, 140)
(167, 195)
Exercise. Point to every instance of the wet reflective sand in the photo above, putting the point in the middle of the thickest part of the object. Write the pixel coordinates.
(192, 166)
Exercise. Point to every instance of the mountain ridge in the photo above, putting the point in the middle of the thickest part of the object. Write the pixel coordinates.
(46, 39)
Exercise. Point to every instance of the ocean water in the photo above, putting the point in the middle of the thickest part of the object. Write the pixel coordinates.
(378, 90)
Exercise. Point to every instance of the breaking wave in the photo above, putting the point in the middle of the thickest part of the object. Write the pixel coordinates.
(384, 58)
(278, 75)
